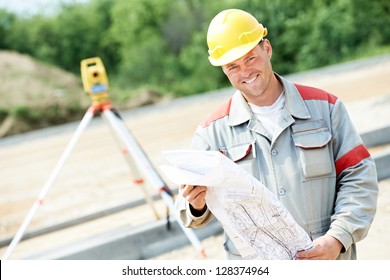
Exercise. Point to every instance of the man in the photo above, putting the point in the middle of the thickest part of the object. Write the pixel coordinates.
(297, 140)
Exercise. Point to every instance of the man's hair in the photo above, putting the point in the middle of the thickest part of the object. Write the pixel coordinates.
(260, 43)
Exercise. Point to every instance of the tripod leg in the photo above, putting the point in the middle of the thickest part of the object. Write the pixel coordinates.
(148, 170)
(137, 178)
(39, 201)
(139, 181)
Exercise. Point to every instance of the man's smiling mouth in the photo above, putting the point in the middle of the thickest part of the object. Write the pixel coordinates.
(251, 80)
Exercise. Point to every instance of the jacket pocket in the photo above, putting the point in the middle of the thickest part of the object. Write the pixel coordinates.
(313, 149)
(240, 153)
(244, 155)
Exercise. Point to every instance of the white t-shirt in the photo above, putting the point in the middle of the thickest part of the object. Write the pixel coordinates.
(269, 115)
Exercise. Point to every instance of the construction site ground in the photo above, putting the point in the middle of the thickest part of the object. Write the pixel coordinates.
(96, 175)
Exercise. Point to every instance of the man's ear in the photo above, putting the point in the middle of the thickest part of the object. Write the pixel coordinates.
(268, 47)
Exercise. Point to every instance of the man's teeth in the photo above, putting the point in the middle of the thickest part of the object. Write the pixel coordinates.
(251, 80)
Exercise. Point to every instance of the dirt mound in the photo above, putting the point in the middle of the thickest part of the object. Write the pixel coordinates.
(35, 95)
(26, 81)
(32, 90)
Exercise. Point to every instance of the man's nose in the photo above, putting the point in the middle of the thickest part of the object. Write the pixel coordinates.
(245, 71)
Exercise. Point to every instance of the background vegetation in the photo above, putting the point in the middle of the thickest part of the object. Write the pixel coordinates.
(160, 45)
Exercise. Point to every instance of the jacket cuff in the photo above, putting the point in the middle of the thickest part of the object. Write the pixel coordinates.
(341, 235)
(187, 218)
(198, 215)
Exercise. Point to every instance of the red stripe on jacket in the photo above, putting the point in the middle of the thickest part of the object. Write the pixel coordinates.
(311, 93)
(218, 114)
(351, 158)
(307, 93)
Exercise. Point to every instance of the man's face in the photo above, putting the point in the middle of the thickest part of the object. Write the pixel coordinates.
(252, 73)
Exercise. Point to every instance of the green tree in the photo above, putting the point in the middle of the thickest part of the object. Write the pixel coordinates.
(80, 31)
(7, 20)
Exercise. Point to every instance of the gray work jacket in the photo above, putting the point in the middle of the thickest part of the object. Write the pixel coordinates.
(316, 163)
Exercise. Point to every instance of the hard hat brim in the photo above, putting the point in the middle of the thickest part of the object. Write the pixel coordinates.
(233, 54)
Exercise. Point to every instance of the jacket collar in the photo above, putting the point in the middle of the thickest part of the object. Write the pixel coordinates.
(241, 113)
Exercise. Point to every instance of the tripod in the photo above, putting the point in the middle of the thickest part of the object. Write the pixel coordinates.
(96, 84)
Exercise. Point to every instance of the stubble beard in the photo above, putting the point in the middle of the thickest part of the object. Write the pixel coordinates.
(256, 94)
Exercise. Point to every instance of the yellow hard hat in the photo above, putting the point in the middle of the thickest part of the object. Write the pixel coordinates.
(232, 33)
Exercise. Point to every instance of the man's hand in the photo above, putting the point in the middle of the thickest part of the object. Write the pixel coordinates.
(325, 248)
(195, 195)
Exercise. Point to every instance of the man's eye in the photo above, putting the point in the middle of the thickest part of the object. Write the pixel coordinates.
(232, 68)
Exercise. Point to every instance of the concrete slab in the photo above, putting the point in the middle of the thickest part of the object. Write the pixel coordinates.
(128, 243)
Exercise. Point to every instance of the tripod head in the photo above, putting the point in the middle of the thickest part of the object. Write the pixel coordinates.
(95, 82)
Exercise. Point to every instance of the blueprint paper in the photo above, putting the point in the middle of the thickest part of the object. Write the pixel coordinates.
(256, 221)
